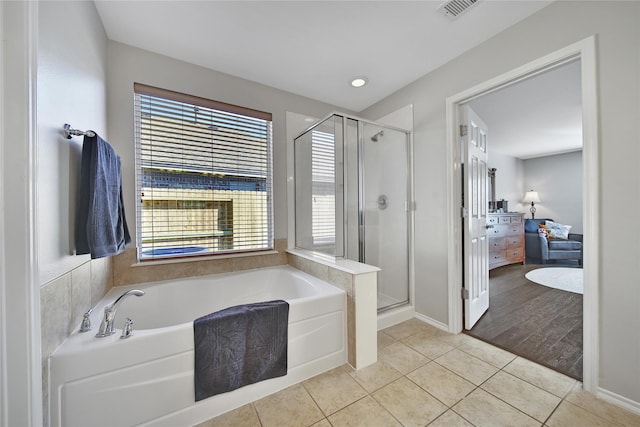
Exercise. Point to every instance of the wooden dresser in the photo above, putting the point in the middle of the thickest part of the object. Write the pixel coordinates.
(506, 239)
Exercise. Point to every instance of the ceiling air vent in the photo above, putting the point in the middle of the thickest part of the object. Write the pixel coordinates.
(454, 8)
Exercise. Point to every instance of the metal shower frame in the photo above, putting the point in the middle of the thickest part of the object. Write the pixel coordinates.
(410, 204)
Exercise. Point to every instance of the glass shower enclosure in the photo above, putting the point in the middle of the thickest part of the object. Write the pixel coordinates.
(353, 193)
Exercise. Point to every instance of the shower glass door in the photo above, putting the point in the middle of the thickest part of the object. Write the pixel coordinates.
(384, 200)
(352, 191)
(319, 198)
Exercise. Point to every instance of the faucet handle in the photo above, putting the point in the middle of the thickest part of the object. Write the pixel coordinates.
(85, 326)
(127, 329)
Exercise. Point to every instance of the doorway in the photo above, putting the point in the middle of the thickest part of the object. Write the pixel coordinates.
(534, 141)
(585, 51)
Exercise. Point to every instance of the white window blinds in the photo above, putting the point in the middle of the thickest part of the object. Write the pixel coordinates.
(323, 227)
(204, 176)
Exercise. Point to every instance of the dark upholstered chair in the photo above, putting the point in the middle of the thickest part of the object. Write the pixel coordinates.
(539, 249)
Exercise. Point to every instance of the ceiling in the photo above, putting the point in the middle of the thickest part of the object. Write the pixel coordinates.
(539, 116)
(312, 48)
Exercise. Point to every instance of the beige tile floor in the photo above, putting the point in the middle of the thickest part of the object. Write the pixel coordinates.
(425, 376)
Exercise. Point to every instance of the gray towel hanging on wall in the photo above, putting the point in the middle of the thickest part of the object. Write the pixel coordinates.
(100, 227)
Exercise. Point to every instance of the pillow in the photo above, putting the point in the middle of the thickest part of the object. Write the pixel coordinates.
(559, 231)
(530, 226)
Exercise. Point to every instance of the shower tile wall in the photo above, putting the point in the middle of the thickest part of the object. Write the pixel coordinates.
(357, 353)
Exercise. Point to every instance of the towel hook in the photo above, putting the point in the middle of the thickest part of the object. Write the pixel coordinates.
(70, 132)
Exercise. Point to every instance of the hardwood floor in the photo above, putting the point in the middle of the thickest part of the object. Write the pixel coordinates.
(538, 323)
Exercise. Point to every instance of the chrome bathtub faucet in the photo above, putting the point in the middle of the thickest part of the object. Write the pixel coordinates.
(85, 326)
(127, 329)
(106, 327)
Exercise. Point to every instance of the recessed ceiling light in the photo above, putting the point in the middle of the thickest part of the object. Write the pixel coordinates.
(359, 81)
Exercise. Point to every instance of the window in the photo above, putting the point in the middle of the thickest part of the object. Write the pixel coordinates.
(323, 227)
(204, 176)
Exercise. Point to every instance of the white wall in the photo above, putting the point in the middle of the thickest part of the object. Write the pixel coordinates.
(72, 88)
(557, 178)
(509, 179)
(618, 60)
(128, 65)
(558, 181)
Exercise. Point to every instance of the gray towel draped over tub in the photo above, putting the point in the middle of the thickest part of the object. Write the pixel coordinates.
(100, 226)
(240, 345)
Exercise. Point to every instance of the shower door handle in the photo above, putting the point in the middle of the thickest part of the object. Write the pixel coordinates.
(383, 202)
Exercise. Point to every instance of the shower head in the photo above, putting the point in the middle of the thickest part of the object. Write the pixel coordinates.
(375, 137)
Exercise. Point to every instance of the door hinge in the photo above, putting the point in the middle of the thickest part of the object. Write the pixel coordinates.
(465, 293)
(464, 212)
(464, 130)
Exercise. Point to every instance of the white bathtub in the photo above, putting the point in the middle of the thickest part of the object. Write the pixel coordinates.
(147, 379)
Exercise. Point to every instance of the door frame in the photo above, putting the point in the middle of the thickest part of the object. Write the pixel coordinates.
(585, 50)
(20, 350)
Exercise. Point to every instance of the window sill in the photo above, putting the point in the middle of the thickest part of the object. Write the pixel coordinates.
(203, 258)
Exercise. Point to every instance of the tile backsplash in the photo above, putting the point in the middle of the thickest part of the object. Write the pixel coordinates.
(63, 301)
(127, 270)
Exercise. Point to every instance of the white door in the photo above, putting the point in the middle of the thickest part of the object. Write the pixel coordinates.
(473, 132)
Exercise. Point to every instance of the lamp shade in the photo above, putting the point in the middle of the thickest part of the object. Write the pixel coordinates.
(531, 197)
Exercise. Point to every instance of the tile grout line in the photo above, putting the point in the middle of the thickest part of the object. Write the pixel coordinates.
(509, 404)
(325, 416)
(553, 412)
(383, 407)
(562, 398)
(255, 410)
(427, 360)
(479, 386)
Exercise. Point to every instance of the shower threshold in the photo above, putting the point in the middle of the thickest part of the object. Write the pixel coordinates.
(392, 306)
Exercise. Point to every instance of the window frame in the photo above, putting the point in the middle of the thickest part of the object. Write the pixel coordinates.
(266, 207)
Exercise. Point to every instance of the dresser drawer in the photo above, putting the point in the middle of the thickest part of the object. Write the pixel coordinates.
(504, 219)
(492, 220)
(498, 244)
(514, 241)
(497, 231)
(513, 230)
(514, 254)
(497, 258)
(515, 219)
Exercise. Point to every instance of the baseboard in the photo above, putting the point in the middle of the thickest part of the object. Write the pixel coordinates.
(432, 322)
(621, 401)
